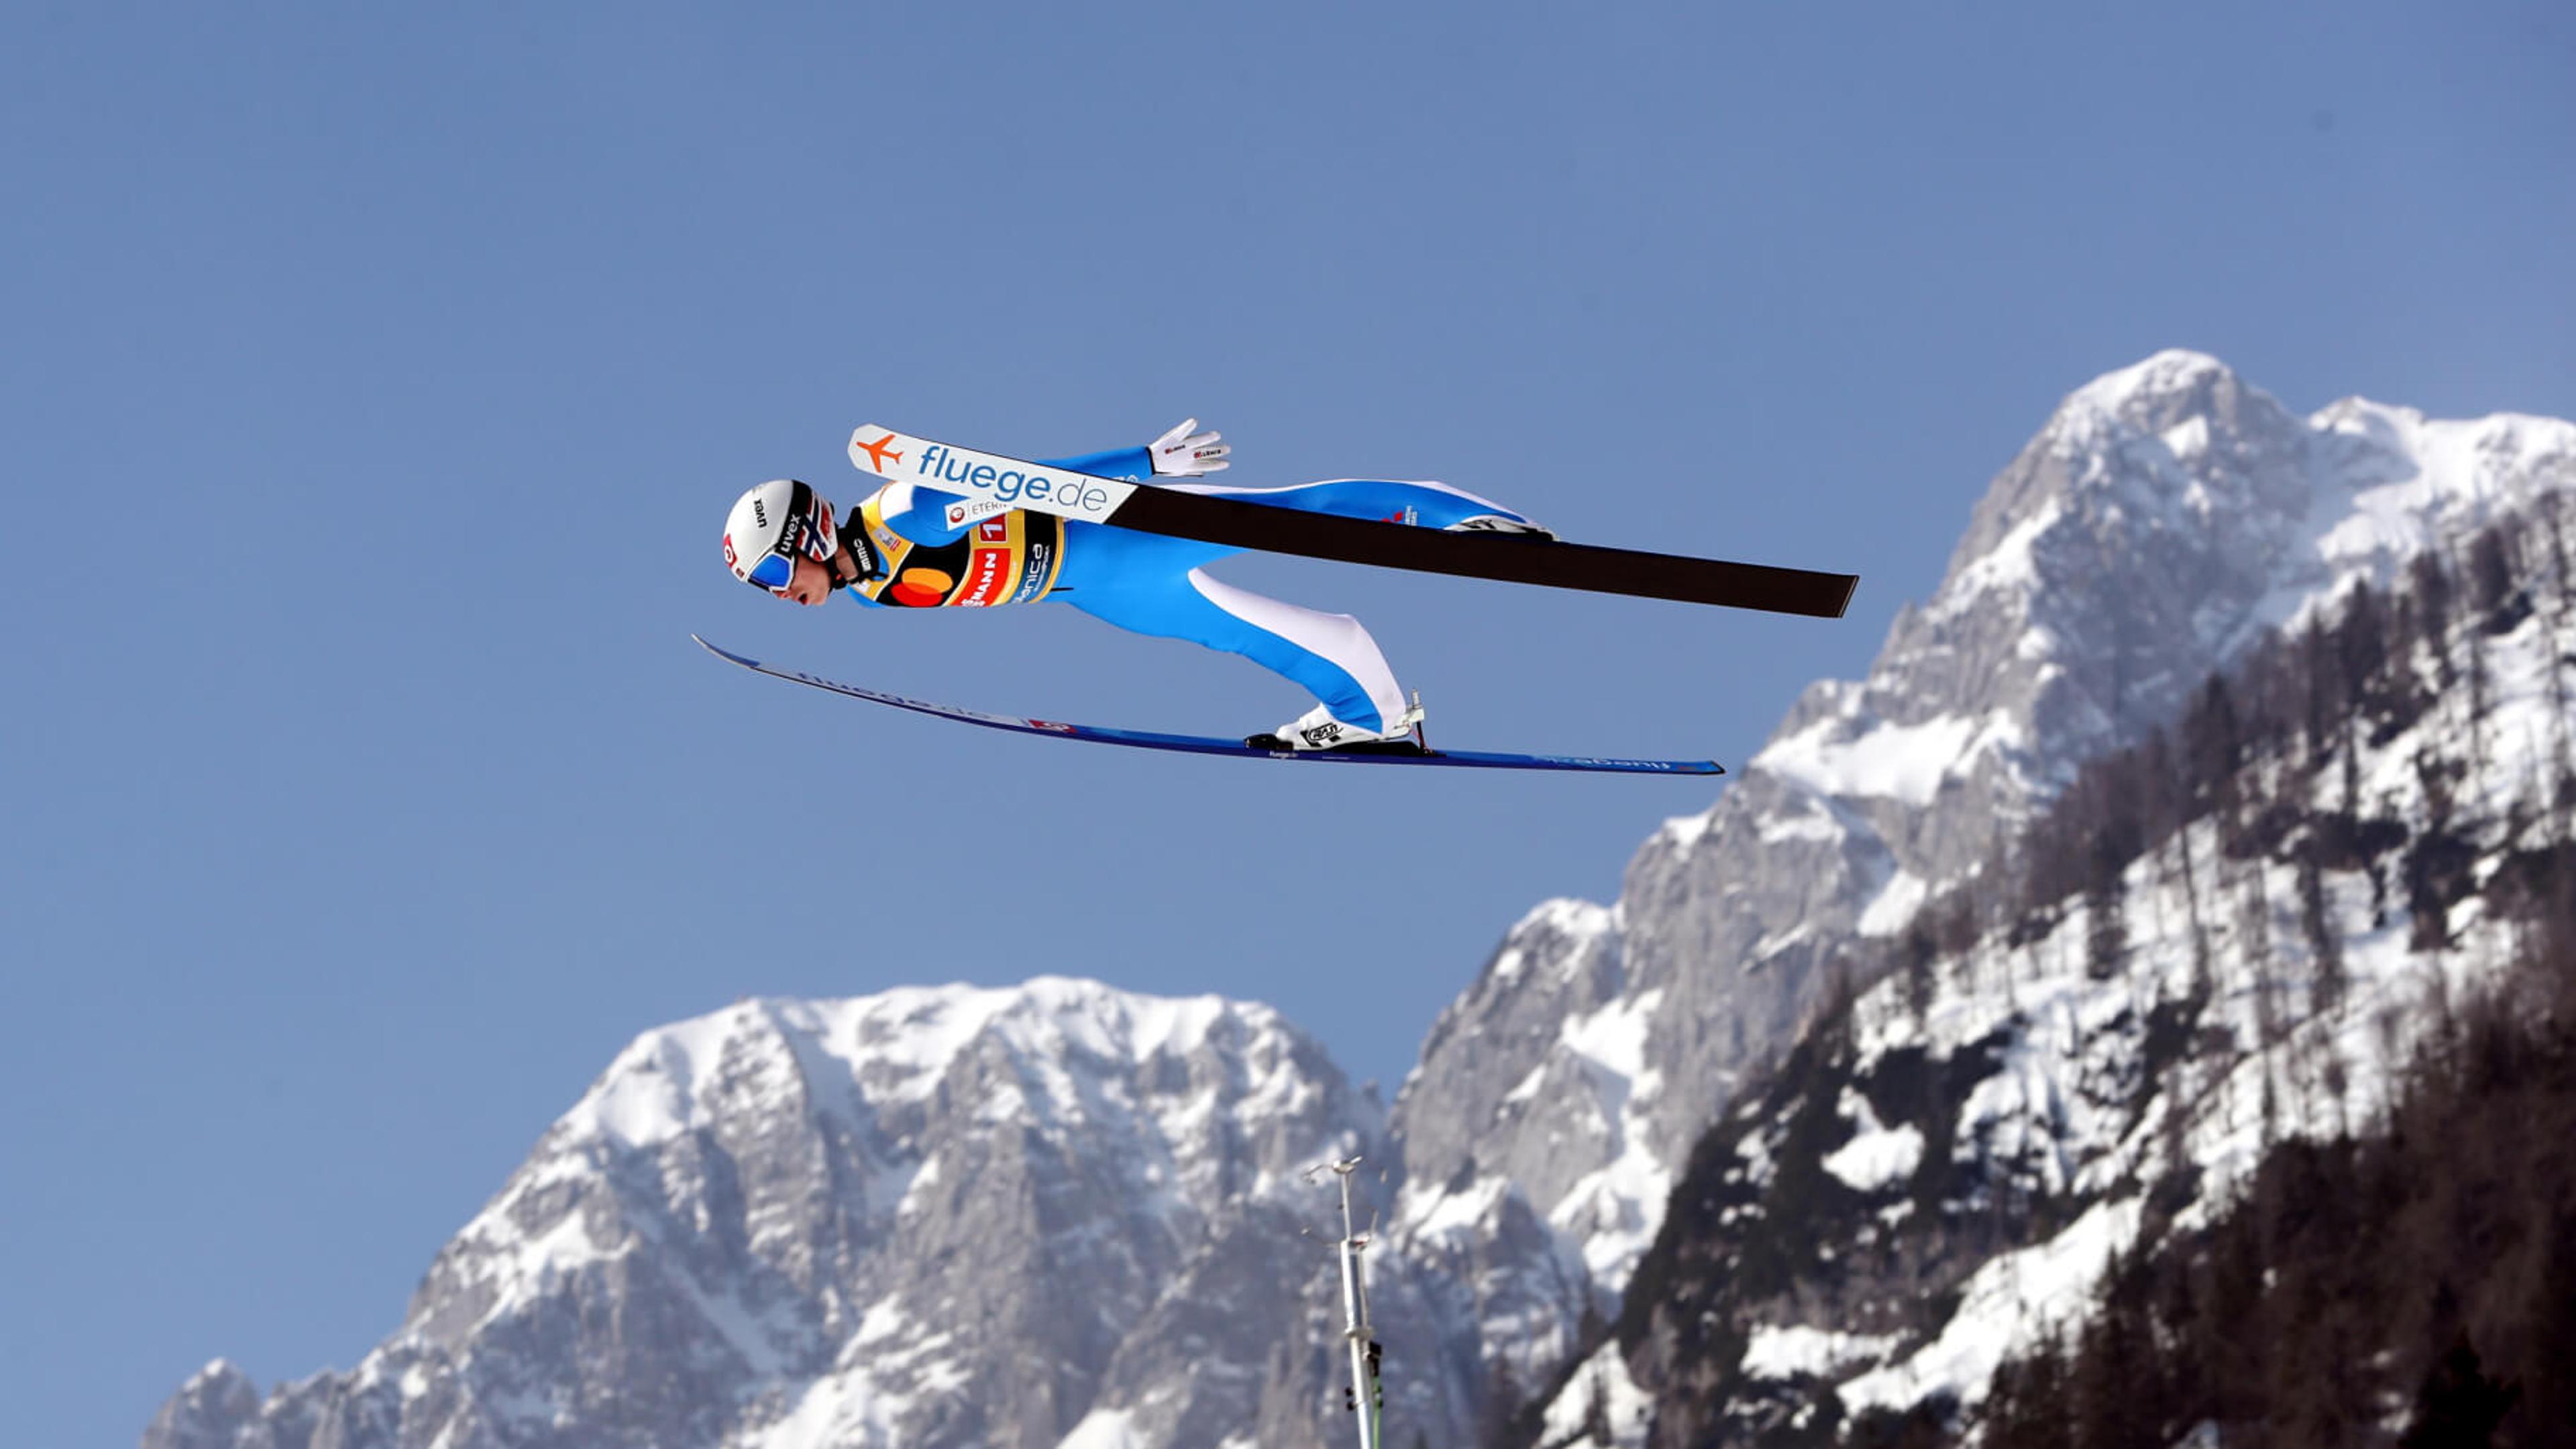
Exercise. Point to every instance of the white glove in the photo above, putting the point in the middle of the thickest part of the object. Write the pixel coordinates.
(1181, 453)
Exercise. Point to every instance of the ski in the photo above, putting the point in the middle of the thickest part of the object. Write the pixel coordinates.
(990, 483)
(1215, 745)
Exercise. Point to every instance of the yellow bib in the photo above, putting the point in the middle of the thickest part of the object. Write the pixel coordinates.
(1008, 559)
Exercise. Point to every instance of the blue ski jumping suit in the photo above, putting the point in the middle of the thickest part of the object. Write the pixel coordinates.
(1150, 583)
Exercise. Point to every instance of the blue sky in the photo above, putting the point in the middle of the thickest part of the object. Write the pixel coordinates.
(377, 383)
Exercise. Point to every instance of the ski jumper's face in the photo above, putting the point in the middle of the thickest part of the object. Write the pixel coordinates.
(811, 585)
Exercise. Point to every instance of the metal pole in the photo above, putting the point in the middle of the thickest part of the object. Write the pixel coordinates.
(1355, 1325)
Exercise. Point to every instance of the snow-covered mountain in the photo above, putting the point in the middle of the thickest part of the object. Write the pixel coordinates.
(1941, 1171)
(1054, 1214)
(1060, 1214)
(2162, 520)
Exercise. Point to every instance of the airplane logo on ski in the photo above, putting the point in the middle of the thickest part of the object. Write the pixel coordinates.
(878, 452)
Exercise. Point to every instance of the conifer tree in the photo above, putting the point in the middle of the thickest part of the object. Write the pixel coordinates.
(2361, 646)
(2548, 1326)
(2431, 587)
(2458, 1406)
(2478, 701)
(2325, 944)
(2558, 621)
(1498, 1407)
(2316, 691)
(2491, 575)
(2114, 1384)
(2106, 926)
(2027, 1406)
(1919, 952)
(2212, 738)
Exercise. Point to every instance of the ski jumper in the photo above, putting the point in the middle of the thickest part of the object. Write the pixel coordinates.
(1149, 583)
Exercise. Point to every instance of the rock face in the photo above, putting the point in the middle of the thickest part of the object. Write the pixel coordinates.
(1945, 1165)
(1060, 1214)
(2165, 516)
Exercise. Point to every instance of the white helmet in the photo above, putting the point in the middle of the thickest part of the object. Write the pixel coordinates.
(771, 527)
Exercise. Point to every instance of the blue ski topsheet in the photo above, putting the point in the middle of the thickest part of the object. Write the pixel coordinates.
(1213, 745)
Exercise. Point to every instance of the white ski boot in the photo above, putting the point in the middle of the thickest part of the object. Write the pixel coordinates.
(1316, 729)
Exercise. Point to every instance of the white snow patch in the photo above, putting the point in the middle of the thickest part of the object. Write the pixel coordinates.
(1877, 1155)
(1438, 1213)
(832, 1410)
(1779, 941)
(2393, 482)
(2008, 1304)
(1615, 1036)
(1685, 831)
(1618, 1208)
(1583, 924)
(1603, 1379)
(1615, 1209)
(1759, 1165)
(1106, 1429)
(1901, 762)
(1796, 1350)
(1893, 908)
(2012, 564)
(1814, 825)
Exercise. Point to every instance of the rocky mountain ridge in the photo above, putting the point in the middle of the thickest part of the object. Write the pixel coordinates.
(2164, 519)
(933, 1216)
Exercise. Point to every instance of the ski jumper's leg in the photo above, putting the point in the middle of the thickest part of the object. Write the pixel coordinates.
(1154, 585)
(1426, 505)
(1332, 655)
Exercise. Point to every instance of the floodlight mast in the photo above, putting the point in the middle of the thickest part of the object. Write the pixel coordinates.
(1365, 1391)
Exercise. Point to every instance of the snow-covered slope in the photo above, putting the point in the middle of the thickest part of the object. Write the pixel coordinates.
(2165, 516)
(938, 1216)
(1940, 1174)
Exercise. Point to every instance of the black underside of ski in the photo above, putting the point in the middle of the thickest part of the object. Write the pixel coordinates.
(1510, 558)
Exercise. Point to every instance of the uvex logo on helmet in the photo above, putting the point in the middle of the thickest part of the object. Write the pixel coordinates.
(771, 527)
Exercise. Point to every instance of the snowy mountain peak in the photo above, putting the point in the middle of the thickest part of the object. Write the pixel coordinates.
(936, 1216)
(894, 1047)
(2176, 380)
(2166, 514)
(209, 1410)
(217, 1370)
